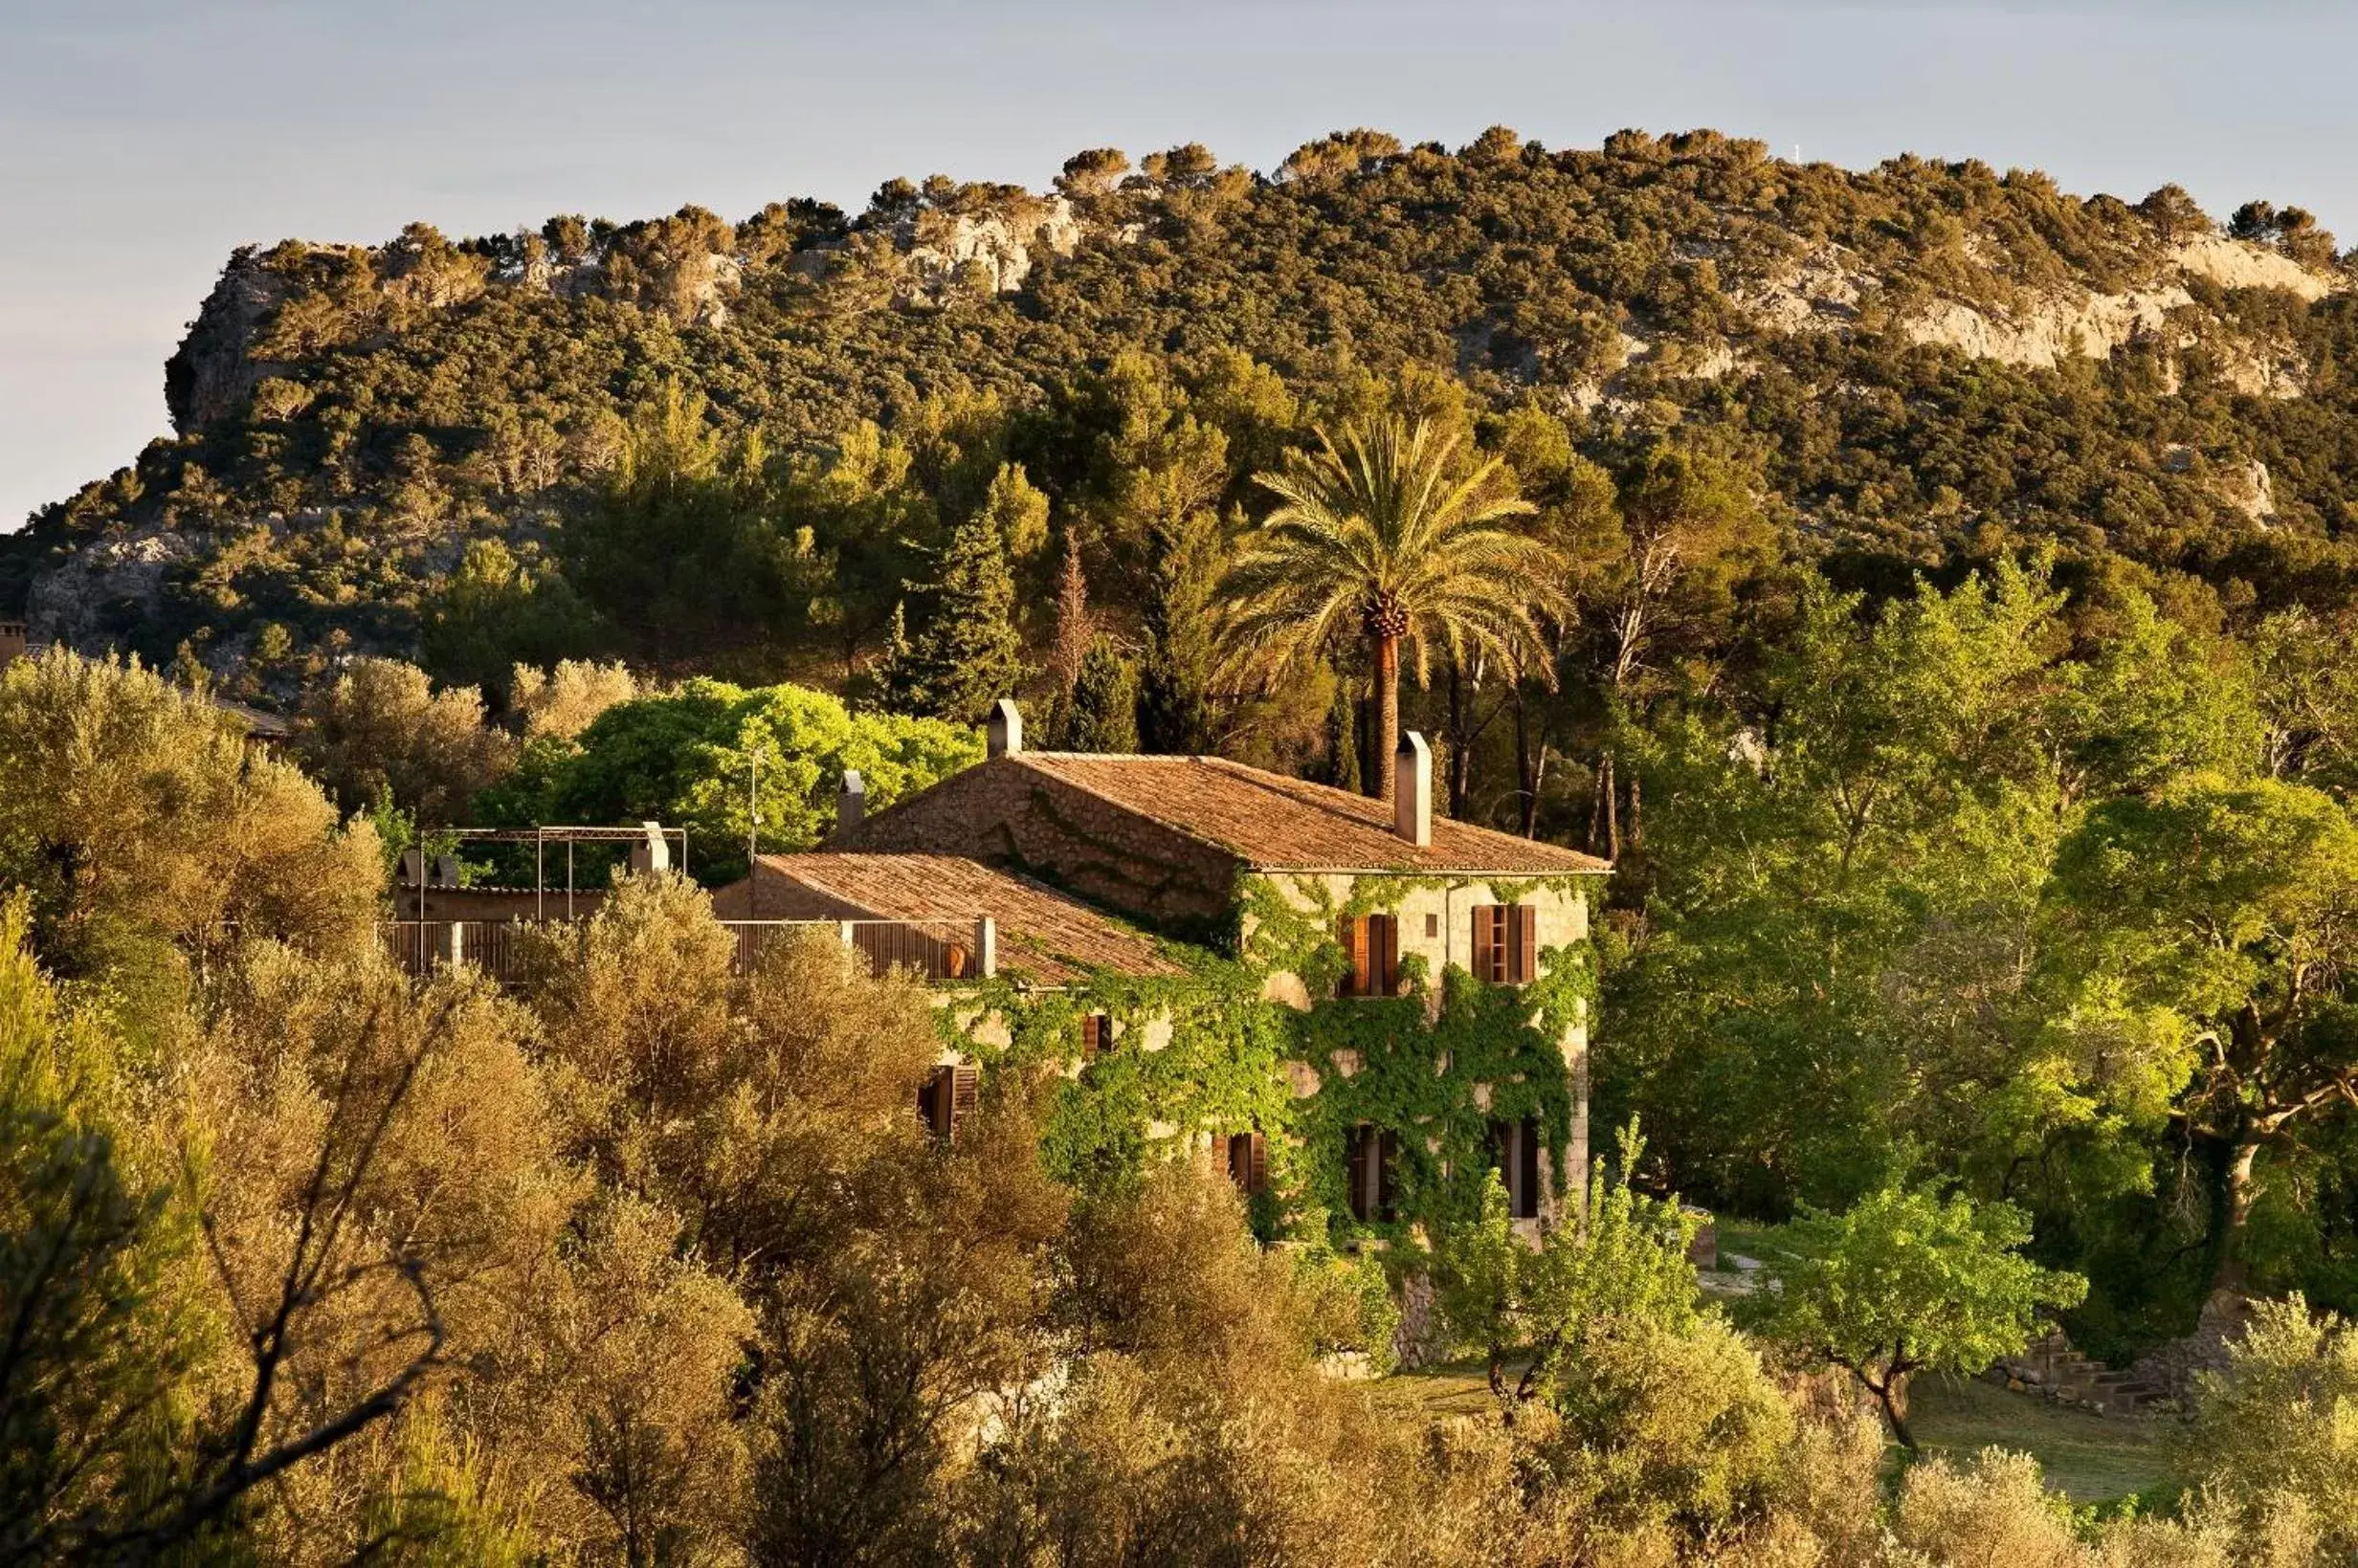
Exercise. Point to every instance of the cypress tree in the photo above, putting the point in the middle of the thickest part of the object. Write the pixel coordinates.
(1342, 740)
(1174, 690)
(1104, 713)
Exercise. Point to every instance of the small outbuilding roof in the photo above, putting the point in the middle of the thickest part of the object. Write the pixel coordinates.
(1043, 935)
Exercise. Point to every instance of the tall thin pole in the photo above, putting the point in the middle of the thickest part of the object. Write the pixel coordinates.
(753, 806)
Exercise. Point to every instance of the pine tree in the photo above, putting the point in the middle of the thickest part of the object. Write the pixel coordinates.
(1175, 691)
(968, 653)
(1103, 711)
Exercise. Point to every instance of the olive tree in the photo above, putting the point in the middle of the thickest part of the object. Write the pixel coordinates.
(1907, 1281)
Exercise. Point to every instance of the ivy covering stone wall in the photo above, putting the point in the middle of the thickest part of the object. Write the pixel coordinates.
(1209, 1053)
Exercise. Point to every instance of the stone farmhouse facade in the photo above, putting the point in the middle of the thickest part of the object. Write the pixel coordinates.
(1434, 971)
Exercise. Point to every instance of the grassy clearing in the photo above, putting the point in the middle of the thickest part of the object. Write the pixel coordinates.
(1453, 1388)
(2092, 1459)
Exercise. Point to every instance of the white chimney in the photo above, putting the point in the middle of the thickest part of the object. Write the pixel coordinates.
(852, 805)
(1004, 733)
(653, 853)
(1411, 790)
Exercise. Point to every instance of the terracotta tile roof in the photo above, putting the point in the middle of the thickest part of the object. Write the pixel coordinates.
(1274, 823)
(1044, 935)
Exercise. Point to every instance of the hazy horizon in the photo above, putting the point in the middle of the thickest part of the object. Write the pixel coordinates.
(141, 143)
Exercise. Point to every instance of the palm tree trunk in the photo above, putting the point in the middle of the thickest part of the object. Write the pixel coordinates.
(1387, 711)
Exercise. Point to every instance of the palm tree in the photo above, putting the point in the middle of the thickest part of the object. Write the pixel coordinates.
(1374, 541)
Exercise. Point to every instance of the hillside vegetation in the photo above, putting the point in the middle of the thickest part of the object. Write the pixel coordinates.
(1911, 365)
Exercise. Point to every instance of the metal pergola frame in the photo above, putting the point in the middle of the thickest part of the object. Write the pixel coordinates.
(541, 838)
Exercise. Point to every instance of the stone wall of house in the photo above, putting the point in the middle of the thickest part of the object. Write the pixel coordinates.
(1014, 816)
(495, 904)
(1436, 923)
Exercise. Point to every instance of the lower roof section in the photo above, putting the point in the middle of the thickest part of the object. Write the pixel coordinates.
(1044, 937)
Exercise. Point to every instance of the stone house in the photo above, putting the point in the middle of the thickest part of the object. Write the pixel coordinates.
(960, 923)
(1331, 899)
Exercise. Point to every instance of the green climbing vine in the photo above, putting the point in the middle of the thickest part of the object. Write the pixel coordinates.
(1208, 1051)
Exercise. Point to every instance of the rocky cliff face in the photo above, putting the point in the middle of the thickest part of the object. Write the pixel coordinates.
(1823, 291)
(100, 592)
(995, 248)
(216, 368)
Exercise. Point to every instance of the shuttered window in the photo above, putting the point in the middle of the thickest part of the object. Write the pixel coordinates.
(1506, 946)
(1097, 1036)
(947, 1097)
(933, 1101)
(1371, 943)
(1514, 1153)
(1371, 1159)
(1248, 1162)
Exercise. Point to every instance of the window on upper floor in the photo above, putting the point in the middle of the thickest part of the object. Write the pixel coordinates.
(1505, 950)
(1371, 946)
(1097, 1035)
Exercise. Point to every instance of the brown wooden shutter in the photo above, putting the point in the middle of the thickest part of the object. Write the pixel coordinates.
(1526, 967)
(1248, 1162)
(1497, 932)
(966, 1086)
(1385, 955)
(1096, 1036)
(1354, 936)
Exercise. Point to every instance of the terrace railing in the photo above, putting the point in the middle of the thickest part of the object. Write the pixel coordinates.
(943, 951)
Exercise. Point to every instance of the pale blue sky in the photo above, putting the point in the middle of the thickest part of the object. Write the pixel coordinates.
(141, 140)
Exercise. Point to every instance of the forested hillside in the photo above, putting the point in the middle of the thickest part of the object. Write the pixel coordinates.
(1907, 366)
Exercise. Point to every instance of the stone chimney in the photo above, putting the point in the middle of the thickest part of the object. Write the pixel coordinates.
(852, 805)
(1004, 733)
(1411, 790)
(653, 851)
